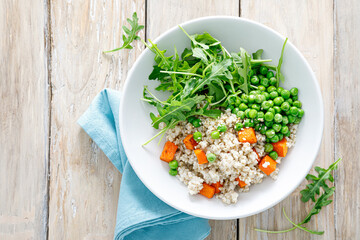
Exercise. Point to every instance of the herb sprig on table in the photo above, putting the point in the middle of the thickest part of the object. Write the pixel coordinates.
(131, 34)
(317, 187)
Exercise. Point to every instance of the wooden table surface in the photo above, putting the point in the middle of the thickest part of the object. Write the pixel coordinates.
(55, 183)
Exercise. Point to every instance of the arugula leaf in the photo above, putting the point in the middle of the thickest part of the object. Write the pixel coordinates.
(279, 76)
(243, 71)
(309, 192)
(199, 53)
(131, 34)
(216, 70)
(257, 54)
(318, 182)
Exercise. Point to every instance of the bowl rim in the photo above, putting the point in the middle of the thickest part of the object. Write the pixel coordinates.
(241, 19)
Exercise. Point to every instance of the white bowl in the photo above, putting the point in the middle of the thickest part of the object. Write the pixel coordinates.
(136, 129)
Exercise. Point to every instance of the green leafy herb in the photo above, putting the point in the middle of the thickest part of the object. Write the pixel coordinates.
(131, 34)
(205, 73)
(311, 191)
(279, 76)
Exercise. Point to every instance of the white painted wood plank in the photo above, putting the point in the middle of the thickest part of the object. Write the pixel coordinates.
(23, 120)
(162, 15)
(347, 118)
(84, 185)
(309, 25)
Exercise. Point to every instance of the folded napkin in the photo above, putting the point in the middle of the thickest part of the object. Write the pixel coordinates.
(140, 215)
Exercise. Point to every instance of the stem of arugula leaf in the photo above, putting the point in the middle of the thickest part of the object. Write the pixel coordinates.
(156, 135)
(184, 73)
(165, 103)
(204, 72)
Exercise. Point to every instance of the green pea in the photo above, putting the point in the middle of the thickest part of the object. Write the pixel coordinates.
(275, 139)
(265, 82)
(297, 104)
(243, 107)
(272, 110)
(257, 127)
(260, 77)
(294, 91)
(273, 155)
(273, 81)
(280, 135)
(268, 147)
(279, 89)
(173, 164)
(294, 111)
(287, 134)
(247, 123)
(231, 107)
(254, 80)
(270, 133)
(222, 128)
(251, 72)
(237, 102)
(235, 110)
(271, 89)
(215, 134)
(290, 101)
(261, 88)
(260, 115)
(260, 98)
(244, 98)
(277, 109)
(211, 157)
(263, 130)
(265, 105)
(197, 136)
(269, 74)
(256, 107)
(285, 94)
(297, 120)
(238, 126)
(274, 94)
(268, 124)
(285, 106)
(253, 92)
(266, 94)
(268, 140)
(291, 118)
(301, 113)
(263, 70)
(173, 172)
(196, 123)
(278, 118)
(284, 129)
(285, 120)
(295, 98)
(251, 124)
(251, 98)
(271, 103)
(247, 112)
(240, 114)
(252, 113)
(269, 116)
(276, 127)
(278, 101)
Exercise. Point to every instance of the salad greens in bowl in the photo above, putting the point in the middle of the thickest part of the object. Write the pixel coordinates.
(221, 101)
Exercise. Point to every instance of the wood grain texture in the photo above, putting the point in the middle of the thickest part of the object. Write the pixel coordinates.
(84, 185)
(309, 26)
(23, 120)
(347, 119)
(162, 15)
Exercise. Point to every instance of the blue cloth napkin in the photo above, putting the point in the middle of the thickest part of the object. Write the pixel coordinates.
(141, 215)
